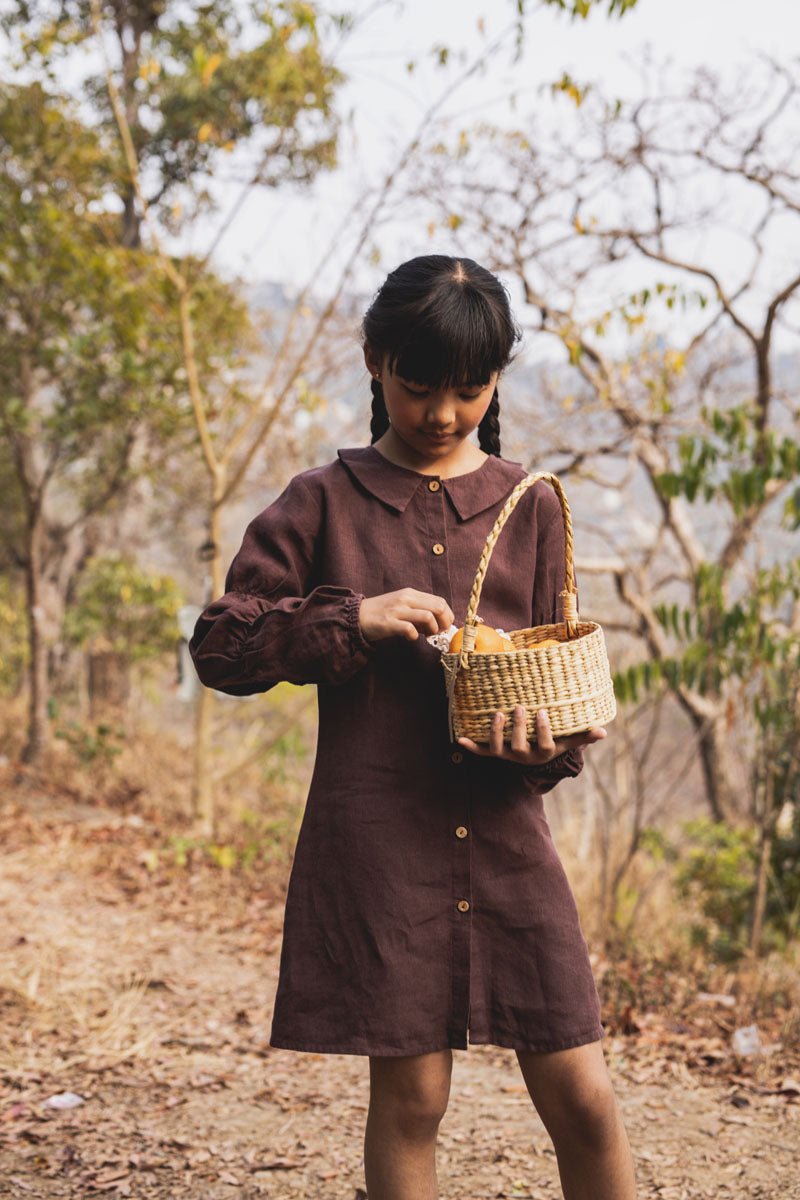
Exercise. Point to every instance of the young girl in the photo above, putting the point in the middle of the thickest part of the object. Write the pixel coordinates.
(426, 902)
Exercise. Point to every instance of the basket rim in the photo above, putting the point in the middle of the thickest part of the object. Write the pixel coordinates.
(595, 627)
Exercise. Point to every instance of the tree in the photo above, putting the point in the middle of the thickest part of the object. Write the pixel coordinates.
(193, 90)
(121, 615)
(81, 361)
(620, 189)
(183, 89)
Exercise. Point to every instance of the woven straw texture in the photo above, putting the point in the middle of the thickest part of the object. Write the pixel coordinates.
(571, 680)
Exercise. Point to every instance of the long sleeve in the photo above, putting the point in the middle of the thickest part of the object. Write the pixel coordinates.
(548, 609)
(272, 624)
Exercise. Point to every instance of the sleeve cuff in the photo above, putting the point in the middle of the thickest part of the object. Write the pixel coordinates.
(352, 608)
(556, 764)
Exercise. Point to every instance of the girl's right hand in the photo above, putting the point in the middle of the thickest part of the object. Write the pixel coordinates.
(407, 612)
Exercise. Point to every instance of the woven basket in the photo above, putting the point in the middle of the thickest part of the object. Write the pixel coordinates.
(572, 680)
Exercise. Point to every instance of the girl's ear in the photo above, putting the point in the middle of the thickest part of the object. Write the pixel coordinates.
(372, 360)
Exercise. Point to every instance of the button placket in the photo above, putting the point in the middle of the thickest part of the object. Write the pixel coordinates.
(462, 900)
(457, 796)
(435, 510)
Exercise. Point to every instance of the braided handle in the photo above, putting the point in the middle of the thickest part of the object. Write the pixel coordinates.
(569, 593)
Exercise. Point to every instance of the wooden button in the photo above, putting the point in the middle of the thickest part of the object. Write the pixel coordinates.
(463, 906)
(438, 548)
(461, 831)
(456, 756)
(434, 485)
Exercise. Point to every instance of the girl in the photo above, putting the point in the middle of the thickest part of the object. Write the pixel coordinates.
(426, 902)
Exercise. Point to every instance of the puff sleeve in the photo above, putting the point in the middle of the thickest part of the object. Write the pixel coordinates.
(275, 623)
(548, 609)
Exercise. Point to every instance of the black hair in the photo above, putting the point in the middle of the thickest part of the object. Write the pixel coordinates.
(441, 322)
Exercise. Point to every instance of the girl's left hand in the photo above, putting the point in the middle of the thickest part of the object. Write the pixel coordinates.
(521, 751)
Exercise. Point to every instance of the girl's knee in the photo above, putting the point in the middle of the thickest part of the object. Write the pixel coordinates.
(418, 1118)
(413, 1092)
(574, 1095)
(589, 1115)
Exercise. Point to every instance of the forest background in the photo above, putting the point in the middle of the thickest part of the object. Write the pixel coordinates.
(197, 201)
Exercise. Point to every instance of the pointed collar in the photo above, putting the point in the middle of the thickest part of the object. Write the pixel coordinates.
(394, 485)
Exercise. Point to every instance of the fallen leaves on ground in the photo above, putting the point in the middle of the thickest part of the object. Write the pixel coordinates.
(148, 995)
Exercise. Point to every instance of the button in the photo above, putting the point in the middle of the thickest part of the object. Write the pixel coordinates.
(438, 548)
(461, 831)
(434, 485)
(463, 906)
(456, 756)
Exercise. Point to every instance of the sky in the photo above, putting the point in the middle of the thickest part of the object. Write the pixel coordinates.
(294, 236)
(286, 235)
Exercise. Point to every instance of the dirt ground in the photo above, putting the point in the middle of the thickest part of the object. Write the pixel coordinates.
(146, 990)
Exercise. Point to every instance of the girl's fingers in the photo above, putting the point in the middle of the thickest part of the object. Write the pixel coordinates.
(545, 741)
(468, 744)
(496, 733)
(408, 630)
(544, 734)
(423, 619)
(519, 731)
(430, 603)
(582, 739)
(414, 620)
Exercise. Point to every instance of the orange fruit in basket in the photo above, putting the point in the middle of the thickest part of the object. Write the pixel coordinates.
(487, 641)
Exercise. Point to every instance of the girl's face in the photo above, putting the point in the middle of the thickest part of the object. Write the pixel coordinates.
(431, 423)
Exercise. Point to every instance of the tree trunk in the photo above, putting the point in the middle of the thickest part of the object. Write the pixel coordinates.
(202, 782)
(109, 683)
(131, 222)
(38, 735)
(613, 870)
(202, 785)
(767, 825)
(760, 902)
(721, 791)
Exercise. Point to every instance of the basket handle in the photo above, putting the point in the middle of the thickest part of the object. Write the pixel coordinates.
(569, 593)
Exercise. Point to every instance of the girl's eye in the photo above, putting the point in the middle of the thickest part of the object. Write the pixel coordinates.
(463, 395)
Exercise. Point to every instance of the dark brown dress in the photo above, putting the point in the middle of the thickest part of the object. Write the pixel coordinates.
(427, 901)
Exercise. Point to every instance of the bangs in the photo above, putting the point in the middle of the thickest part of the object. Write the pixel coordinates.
(459, 343)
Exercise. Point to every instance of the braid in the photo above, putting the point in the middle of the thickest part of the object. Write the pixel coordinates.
(489, 428)
(380, 418)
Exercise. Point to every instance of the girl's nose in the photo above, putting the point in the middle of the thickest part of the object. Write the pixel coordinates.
(441, 414)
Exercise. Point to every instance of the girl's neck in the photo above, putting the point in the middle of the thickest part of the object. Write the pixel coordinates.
(457, 461)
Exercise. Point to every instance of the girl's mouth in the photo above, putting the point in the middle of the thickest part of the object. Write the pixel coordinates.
(437, 437)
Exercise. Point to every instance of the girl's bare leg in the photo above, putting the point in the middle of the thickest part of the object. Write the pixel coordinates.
(574, 1096)
(408, 1098)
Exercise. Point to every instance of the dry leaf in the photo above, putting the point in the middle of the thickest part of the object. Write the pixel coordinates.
(277, 1164)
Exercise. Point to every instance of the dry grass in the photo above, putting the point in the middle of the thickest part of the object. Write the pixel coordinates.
(113, 833)
(68, 998)
(100, 869)
(649, 963)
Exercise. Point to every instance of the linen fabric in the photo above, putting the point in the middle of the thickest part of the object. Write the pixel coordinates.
(427, 906)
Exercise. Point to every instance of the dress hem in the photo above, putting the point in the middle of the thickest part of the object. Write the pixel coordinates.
(512, 1043)
(504, 1042)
